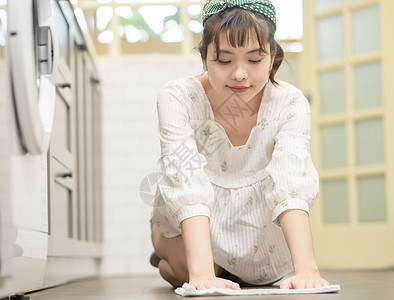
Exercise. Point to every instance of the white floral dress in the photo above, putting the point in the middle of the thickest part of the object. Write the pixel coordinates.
(242, 189)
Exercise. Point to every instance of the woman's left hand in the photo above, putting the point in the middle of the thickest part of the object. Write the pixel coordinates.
(304, 281)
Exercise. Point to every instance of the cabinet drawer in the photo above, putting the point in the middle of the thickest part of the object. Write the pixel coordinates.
(61, 201)
(65, 41)
(61, 138)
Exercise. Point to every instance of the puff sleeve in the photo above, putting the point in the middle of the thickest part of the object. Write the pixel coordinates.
(295, 182)
(191, 192)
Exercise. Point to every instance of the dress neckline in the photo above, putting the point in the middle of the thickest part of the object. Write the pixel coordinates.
(267, 91)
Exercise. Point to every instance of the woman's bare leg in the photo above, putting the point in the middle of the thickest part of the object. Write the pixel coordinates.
(172, 266)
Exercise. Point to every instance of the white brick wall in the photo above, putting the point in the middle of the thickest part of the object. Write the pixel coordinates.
(131, 149)
(130, 152)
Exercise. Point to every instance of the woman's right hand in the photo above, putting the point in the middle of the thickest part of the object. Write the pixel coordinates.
(213, 282)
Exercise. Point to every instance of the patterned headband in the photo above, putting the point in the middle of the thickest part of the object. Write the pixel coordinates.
(263, 7)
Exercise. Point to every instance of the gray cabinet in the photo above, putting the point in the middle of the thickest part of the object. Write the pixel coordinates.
(74, 159)
(88, 144)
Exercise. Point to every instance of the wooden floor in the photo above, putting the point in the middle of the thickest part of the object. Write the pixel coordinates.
(354, 285)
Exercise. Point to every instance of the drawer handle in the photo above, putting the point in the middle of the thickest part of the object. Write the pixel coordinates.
(95, 81)
(83, 47)
(64, 175)
(64, 85)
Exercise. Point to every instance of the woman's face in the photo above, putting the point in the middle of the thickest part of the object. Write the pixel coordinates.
(241, 70)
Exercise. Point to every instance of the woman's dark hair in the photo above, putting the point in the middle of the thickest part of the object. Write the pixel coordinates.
(238, 23)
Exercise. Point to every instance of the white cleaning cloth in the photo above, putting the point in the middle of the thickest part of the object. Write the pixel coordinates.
(187, 290)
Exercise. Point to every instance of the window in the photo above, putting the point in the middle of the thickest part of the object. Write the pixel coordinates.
(165, 26)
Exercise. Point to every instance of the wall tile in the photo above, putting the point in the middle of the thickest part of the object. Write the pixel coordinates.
(130, 152)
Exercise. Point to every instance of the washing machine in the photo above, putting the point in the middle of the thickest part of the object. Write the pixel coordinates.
(28, 66)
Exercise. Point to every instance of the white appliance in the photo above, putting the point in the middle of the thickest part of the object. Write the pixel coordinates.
(28, 65)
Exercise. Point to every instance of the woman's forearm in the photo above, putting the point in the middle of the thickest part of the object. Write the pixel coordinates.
(197, 242)
(297, 231)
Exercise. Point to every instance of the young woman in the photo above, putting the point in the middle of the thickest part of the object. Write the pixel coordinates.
(235, 148)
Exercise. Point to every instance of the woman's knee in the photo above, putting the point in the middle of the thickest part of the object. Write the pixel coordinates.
(171, 274)
(171, 252)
